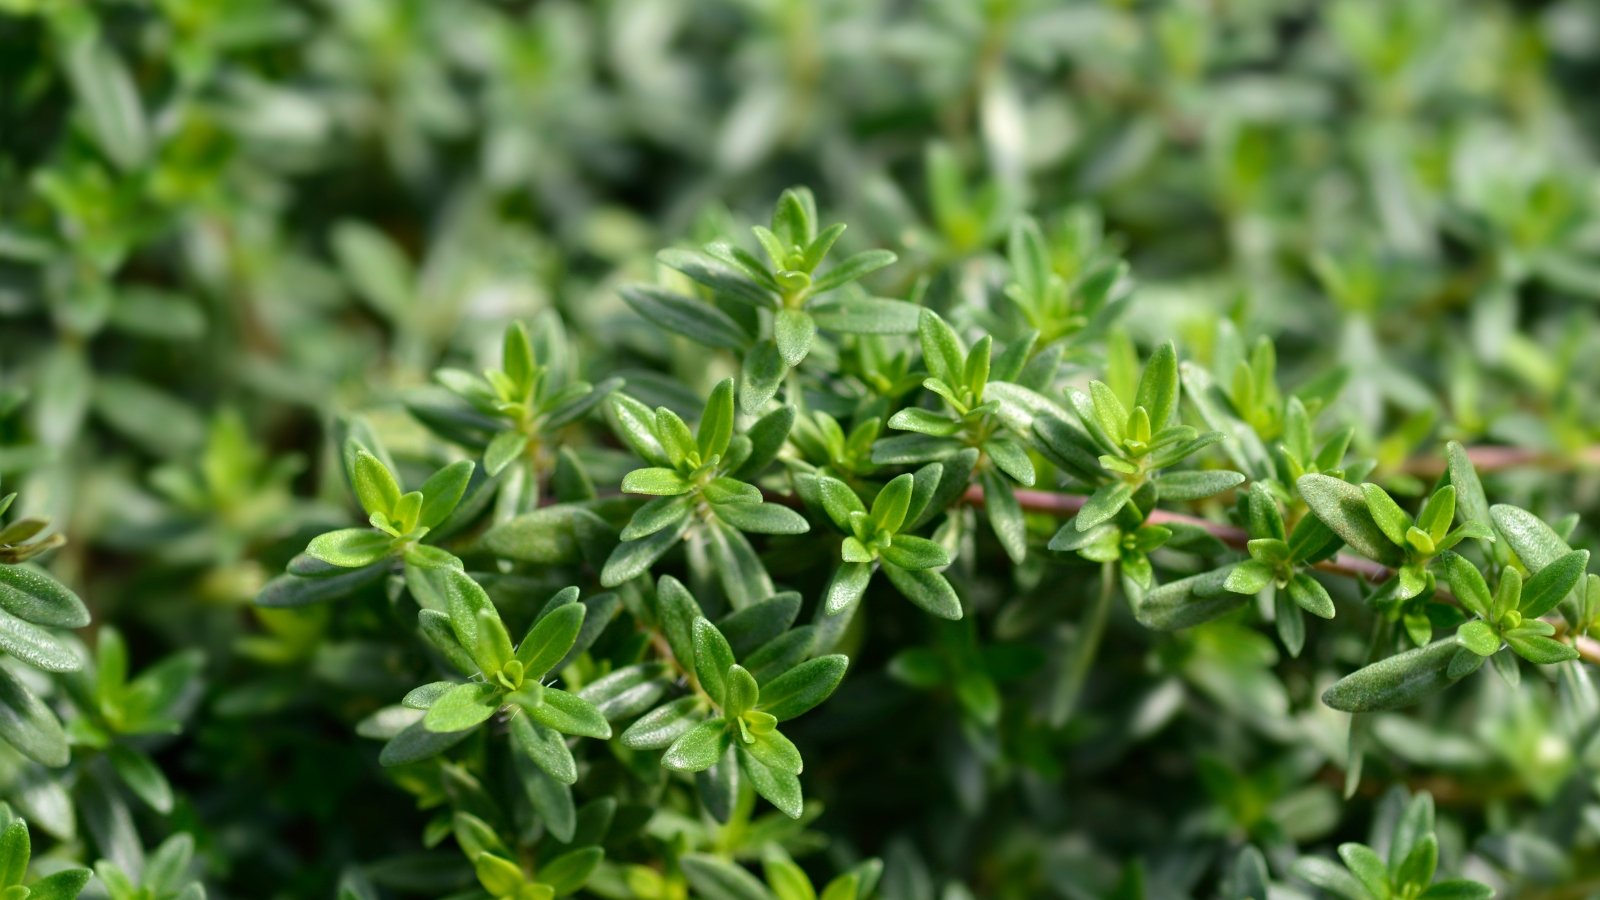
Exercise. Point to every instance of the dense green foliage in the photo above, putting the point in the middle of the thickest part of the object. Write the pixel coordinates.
(452, 458)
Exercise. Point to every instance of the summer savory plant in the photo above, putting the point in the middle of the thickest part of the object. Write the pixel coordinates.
(712, 450)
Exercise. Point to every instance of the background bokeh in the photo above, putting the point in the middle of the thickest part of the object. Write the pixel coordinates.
(225, 227)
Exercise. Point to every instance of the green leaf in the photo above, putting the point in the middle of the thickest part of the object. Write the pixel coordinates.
(838, 501)
(714, 878)
(865, 315)
(753, 626)
(1389, 517)
(922, 421)
(31, 594)
(502, 451)
(1158, 387)
(1540, 650)
(1479, 637)
(1551, 584)
(1309, 594)
(1005, 517)
(548, 641)
(1535, 543)
(16, 847)
(1343, 508)
(659, 514)
(763, 518)
(664, 724)
(801, 688)
(1109, 413)
(712, 658)
(699, 748)
(852, 269)
(893, 502)
(377, 268)
(64, 885)
(1249, 577)
(694, 319)
(781, 789)
(723, 490)
(912, 552)
(793, 330)
(442, 492)
(709, 271)
(1010, 457)
(716, 423)
(655, 482)
(740, 572)
(1396, 682)
(142, 776)
(1197, 485)
(1103, 505)
(635, 423)
(568, 714)
(1467, 583)
(375, 485)
(1189, 601)
(1330, 877)
(571, 870)
(351, 548)
(1439, 512)
(1368, 867)
(849, 582)
(942, 351)
(463, 706)
(760, 376)
(741, 692)
(631, 559)
(1418, 866)
(29, 726)
(415, 743)
(109, 100)
(788, 881)
(776, 752)
(767, 437)
(927, 589)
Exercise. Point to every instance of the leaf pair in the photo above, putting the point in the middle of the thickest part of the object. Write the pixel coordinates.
(874, 539)
(701, 477)
(399, 520)
(472, 637)
(530, 396)
(1512, 614)
(1407, 872)
(741, 728)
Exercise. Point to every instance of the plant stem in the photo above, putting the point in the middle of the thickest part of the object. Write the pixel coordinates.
(1344, 564)
(1075, 670)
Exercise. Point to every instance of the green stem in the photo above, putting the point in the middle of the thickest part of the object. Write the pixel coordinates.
(1076, 669)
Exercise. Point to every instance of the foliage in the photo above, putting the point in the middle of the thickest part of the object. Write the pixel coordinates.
(342, 341)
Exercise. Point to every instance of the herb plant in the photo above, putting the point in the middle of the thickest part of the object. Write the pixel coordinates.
(709, 450)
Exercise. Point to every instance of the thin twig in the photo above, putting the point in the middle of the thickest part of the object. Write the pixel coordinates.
(1491, 458)
(1344, 564)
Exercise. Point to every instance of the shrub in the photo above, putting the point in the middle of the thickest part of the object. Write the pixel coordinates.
(454, 457)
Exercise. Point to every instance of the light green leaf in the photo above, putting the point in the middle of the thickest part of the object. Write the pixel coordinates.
(1395, 682)
(1343, 508)
(462, 707)
(793, 330)
(699, 748)
(801, 688)
(351, 548)
(549, 639)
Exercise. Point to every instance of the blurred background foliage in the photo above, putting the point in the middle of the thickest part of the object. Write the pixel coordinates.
(228, 227)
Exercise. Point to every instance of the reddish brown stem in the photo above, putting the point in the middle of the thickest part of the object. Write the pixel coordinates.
(1345, 564)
